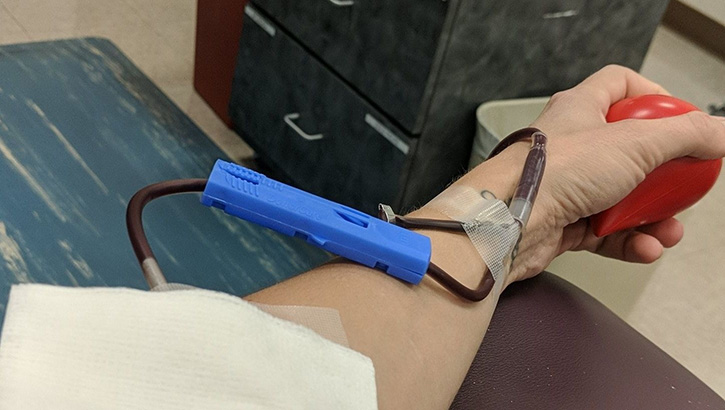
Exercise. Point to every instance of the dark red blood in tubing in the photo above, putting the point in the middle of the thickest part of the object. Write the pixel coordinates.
(671, 187)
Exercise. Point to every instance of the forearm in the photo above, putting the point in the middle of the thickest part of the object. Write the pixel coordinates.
(421, 339)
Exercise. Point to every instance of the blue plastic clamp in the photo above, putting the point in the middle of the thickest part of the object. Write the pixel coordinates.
(339, 229)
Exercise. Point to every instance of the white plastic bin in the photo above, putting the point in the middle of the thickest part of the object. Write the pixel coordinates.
(497, 119)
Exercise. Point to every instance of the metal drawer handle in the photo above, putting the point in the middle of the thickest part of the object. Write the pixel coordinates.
(342, 3)
(289, 120)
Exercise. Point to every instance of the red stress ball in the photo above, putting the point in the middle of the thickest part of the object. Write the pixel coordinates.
(671, 188)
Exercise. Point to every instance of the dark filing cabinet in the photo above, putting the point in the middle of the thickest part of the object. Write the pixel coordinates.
(368, 101)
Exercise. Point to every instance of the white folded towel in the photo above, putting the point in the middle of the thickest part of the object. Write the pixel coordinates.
(113, 348)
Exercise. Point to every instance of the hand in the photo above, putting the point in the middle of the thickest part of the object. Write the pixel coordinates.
(592, 165)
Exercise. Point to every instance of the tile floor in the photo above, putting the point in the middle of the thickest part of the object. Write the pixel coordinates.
(678, 302)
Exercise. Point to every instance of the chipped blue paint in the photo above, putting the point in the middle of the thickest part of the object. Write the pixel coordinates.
(81, 129)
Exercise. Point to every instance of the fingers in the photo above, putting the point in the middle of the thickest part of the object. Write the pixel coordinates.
(613, 83)
(642, 245)
(642, 248)
(631, 246)
(668, 232)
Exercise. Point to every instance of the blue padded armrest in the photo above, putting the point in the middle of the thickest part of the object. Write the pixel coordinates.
(81, 130)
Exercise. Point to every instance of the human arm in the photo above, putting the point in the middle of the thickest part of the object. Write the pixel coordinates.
(421, 338)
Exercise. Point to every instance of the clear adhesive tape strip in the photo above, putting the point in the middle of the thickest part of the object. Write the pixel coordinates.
(487, 222)
(324, 321)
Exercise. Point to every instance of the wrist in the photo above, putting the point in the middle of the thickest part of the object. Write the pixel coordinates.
(453, 251)
(499, 176)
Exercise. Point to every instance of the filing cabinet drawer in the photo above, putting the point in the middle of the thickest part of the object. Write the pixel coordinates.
(306, 122)
(384, 48)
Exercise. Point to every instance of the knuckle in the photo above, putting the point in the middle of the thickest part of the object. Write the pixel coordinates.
(639, 144)
(644, 157)
(660, 88)
(707, 136)
(703, 126)
(561, 96)
(616, 69)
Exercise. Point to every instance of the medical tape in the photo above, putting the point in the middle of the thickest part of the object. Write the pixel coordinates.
(487, 222)
(324, 321)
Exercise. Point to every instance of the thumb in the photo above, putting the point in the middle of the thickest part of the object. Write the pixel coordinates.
(693, 134)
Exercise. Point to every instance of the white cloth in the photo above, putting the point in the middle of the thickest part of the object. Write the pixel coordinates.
(113, 348)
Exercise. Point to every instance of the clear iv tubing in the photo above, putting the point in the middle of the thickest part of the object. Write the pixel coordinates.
(528, 187)
(521, 206)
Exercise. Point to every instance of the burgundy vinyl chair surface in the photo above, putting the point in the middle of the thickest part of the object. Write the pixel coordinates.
(550, 345)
